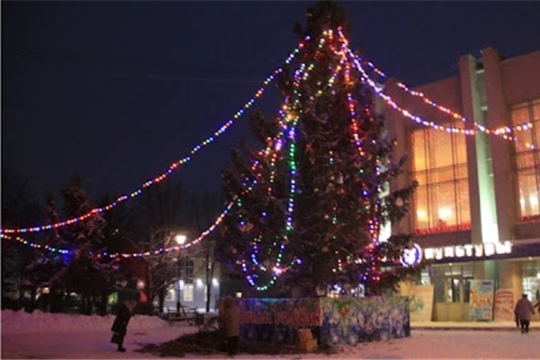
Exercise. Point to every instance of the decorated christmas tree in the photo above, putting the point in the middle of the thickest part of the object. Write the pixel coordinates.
(309, 204)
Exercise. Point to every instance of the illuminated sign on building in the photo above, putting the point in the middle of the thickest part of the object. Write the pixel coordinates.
(414, 255)
(470, 250)
(411, 256)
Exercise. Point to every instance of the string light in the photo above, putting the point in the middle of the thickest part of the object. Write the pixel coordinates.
(36, 245)
(106, 254)
(171, 168)
(499, 130)
(292, 119)
(502, 131)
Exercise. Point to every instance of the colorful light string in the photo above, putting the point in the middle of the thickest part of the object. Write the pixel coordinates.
(374, 223)
(293, 118)
(501, 131)
(455, 115)
(126, 255)
(171, 168)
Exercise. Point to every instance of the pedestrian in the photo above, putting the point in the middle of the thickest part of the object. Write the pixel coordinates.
(128, 296)
(524, 310)
(231, 323)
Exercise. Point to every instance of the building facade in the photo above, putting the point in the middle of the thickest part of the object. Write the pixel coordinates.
(476, 212)
(195, 287)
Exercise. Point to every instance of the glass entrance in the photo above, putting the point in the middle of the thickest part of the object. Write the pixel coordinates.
(452, 288)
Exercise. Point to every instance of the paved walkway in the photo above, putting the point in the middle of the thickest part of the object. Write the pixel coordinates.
(470, 325)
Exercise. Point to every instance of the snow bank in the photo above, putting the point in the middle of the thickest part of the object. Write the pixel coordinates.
(37, 321)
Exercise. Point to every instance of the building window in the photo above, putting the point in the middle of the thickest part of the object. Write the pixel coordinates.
(441, 202)
(188, 293)
(187, 271)
(170, 293)
(527, 160)
(530, 274)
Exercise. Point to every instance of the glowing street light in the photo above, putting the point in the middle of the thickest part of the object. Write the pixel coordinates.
(180, 240)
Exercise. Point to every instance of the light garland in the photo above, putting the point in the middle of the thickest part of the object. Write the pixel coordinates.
(277, 270)
(374, 223)
(290, 117)
(36, 245)
(502, 131)
(171, 168)
(126, 255)
(455, 115)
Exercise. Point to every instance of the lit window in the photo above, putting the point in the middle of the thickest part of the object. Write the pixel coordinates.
(188, 293)
(527, 160)
(187, 267)
(441, 202)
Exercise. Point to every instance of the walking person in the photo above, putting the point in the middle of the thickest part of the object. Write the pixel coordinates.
(127, 301)
(524, 311)
(231, 323)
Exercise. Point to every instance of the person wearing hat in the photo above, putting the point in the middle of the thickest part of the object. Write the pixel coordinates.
(127, 301)
(524, 311)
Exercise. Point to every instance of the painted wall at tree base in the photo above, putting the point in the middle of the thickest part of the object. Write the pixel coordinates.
(348, 321)
(337, 321)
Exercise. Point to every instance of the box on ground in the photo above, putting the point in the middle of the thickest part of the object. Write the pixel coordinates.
(306, 342)
(308, 345)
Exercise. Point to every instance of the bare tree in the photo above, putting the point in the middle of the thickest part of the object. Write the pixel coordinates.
(204, 211)
(160, 217)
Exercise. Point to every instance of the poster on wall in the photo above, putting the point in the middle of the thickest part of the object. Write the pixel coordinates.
(421, 302)
(481, 300)
(504, 305)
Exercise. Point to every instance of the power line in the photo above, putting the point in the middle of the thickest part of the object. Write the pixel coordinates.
(189, 72)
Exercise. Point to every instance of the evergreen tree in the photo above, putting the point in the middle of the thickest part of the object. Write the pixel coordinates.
(87, 273)
(309, 206)
(19, 207)
(46, 268)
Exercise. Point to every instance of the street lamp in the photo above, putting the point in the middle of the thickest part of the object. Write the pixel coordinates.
(180, 240)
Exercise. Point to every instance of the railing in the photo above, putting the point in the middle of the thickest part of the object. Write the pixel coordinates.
(182, 314)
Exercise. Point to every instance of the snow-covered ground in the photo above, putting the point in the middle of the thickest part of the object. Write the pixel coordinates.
(62, 336)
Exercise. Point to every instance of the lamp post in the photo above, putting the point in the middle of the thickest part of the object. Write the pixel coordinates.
(180, 240)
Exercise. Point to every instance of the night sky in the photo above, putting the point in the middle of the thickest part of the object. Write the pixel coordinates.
(120, 90)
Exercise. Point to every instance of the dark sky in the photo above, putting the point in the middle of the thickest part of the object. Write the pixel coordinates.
(119, 90)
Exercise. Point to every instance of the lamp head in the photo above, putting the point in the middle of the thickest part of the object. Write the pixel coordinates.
(180, 239)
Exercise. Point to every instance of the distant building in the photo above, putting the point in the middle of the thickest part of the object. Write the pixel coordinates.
(192, 287)
(474, 190)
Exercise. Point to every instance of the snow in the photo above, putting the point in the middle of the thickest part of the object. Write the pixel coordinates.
(37, 321)
(64, 336)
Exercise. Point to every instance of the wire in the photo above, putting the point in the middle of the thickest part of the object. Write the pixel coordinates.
(186, 72)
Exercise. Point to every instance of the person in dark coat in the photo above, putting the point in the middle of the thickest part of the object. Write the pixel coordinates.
(524, 310)
(231, 323)
(127, 300)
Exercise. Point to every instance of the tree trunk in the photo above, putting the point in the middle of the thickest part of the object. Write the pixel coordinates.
(32, 305)
(83, 301)
(209, 272)
(103, 304)
(161, 299)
